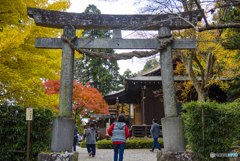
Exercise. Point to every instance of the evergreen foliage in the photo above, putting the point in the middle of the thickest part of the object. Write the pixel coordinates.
(14, 129)
(127, 74)
(102, 75)
(150, 63)
(233, 92)
(214, 131)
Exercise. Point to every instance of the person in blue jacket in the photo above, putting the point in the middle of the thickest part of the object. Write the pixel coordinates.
(75, 137)
(155, 129)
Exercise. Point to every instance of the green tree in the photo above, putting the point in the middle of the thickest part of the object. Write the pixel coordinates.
(127, 74)
(150, 63)
(102, 75)
(233, 92)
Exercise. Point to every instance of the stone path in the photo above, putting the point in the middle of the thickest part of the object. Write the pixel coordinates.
(107, 155)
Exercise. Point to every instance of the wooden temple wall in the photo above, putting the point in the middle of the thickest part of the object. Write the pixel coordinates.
(137, 115)
(153, 106)
(153, 109)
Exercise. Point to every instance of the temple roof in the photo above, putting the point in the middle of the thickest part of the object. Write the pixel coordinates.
(133, 86)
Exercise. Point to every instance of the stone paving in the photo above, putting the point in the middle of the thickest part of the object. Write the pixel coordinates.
(107, 155)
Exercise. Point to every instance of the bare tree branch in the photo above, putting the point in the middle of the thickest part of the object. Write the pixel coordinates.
(222, 26)
(185, 5)
(202, 12)
(193, 78)
(224, 5)
(208, 64)
(185, 20)
(200, 66)
(219, 32)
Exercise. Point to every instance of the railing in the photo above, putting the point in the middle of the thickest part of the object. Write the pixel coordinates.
(142, 130)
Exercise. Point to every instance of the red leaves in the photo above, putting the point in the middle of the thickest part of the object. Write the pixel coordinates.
(52, 87)
(84, 97)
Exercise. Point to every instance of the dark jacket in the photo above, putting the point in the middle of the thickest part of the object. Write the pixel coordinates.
(155, 129)
(75, 131)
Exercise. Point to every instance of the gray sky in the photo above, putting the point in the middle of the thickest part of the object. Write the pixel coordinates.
(120, 7)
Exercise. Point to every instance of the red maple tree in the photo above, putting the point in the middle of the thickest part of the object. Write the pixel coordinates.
(85, 99)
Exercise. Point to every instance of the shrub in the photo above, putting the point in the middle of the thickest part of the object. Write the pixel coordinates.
(83, 145)
(104, 144)
(219, 127)
(130, 144)
(13, 132)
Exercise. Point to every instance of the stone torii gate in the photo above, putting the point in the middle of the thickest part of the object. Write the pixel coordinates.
(62, 135)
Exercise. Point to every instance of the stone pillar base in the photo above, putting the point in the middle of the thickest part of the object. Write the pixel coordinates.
(62, 135)
(173, 139)
(176, 156)
(73, 156)
(237, 158)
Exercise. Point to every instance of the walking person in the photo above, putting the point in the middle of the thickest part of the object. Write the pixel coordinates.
(119, 132)
(75, 137)
(91, 140)
(155, 129)
(85, 136)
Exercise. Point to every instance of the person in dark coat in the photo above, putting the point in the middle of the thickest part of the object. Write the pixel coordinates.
(155, 129)
(91, 140)
(119, 132)
(75, 137)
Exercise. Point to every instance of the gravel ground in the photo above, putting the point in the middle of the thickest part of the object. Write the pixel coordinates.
(107, 155)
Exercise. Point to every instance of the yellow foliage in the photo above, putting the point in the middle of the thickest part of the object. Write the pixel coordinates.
(225, 62)
(79, 35)
(225, 59)
(22, 66)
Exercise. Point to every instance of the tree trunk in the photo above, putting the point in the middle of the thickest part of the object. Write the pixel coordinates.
(95, 84)
(202, 95)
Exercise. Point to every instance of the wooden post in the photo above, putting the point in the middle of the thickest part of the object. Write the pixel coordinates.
(29, 117)
(133, 131)
(145, 131)
(28, 139)
(143, 107)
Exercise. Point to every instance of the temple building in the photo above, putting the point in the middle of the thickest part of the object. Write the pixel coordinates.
(143, 103)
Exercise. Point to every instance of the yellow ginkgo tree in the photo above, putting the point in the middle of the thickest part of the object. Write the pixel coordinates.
(208, 64)
(23, 67)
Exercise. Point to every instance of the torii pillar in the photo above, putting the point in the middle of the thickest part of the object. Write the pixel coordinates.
(172, 125)
(63, 126)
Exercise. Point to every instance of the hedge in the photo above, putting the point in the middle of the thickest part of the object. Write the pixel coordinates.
(13, 132)
(136, 143)
(83, 145)
(211, 127)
